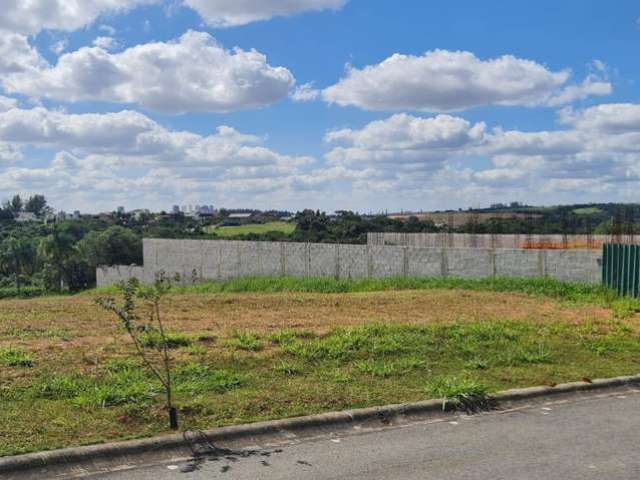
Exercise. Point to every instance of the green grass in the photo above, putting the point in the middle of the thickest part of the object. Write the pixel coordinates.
(195, 378)
(587, 211)
(543, 287)
(153, 339)
(15, 357)
(229, 232)
(294, 372)
(246, 341)
(464, 393)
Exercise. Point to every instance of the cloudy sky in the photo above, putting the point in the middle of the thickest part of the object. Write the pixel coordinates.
(367, 105)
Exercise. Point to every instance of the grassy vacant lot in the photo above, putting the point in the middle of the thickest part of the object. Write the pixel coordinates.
(284, 227)
(253, 350)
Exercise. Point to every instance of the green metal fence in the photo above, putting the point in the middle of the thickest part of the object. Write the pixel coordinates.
(621, 268)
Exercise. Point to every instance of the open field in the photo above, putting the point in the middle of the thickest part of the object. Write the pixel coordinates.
(244, 353)
(587, 211)
(229, 232)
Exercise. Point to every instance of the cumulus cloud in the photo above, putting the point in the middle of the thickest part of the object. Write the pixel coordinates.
(59, 46)
(405, 139)
(443, 81)
(114, 152)
(229, 13)
(403, 158)
(429, 157)
(610, 118)
(305, 93)
(7, 103)
(105, 43)
(193, 73)
(18, 57)
(32, 16)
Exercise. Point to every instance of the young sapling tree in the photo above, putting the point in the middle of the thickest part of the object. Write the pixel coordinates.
(150, 321)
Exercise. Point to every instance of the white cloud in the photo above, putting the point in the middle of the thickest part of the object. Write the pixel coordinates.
(444, 158)
(591, 86)
(228, 13)
(59, 46)
(405, 140)
(126, 153)
(441, 81)
(193, 73)
(7, 103)
(105, 43)
(18, 57)
(610, 118)
(31, 16)
(108, 29)
(305, 93)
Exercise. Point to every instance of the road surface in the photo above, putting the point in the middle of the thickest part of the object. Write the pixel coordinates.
(587, 438)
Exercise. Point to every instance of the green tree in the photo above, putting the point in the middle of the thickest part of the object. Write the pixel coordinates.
(114, 246)
(16, 204)
(18, 258)
(57, 250)
(36, 204)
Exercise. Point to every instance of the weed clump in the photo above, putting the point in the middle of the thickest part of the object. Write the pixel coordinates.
(152, 338)
(460, 393)
(15, 357)
(248, 341)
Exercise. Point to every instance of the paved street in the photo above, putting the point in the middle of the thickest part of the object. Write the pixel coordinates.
(594, 438)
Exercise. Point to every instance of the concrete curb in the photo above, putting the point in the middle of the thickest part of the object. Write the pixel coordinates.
(344, 419)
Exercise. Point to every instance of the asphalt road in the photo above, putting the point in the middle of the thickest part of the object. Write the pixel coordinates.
(594, 438)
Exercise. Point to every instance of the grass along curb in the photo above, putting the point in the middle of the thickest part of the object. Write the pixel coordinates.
(337, 420)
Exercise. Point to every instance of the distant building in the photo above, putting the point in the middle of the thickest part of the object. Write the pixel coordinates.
(120, 210)
(175, 209)
(240, 216)
(24, 217)
(76, 214)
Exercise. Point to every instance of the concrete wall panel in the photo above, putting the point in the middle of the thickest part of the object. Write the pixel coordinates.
(469, 262)
(574, 265)
(353, 261)
(387, 261)
(229, 260)
(323, 260)
(519, 263)
(424, 262)
(295, 260)
(270, 259)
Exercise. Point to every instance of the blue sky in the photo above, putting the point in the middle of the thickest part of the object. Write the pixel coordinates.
(410, 104)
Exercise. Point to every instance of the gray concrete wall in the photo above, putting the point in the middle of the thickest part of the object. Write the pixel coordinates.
(197, 260)
(466, 240)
